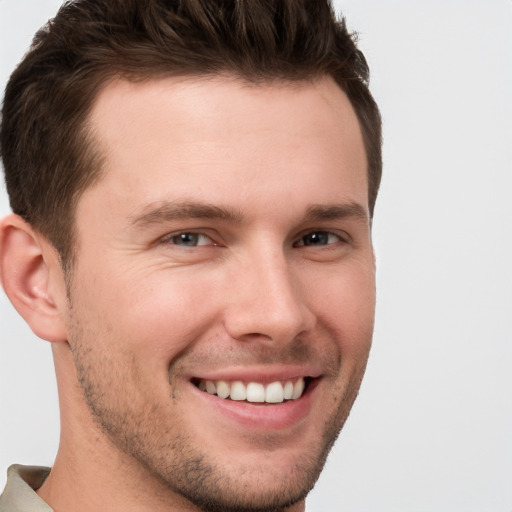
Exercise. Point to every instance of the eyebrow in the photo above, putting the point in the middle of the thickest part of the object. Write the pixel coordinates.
(336, 212)
(169, 211)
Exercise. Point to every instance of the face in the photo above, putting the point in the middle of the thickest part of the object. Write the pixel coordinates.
(222, 297)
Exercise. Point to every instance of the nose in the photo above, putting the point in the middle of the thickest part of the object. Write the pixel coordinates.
(268, 301)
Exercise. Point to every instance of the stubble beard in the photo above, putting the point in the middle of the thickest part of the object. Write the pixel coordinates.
(176, 462)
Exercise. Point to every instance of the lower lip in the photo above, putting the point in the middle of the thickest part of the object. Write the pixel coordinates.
(262, 416)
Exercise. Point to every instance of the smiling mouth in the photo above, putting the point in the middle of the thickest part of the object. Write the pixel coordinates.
(255, 392)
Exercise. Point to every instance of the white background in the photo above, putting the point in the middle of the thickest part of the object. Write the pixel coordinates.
(432, 428)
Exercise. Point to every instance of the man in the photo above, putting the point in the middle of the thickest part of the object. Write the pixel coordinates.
(192, 185)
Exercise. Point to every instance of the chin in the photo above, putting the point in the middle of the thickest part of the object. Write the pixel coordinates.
(251, 492)
(266, 480)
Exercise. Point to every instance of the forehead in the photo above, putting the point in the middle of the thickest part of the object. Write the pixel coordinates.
(214, 136)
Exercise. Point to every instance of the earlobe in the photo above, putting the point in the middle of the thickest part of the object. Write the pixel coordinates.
(32, 278)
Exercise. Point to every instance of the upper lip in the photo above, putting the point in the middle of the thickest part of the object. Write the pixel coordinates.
(263, 374)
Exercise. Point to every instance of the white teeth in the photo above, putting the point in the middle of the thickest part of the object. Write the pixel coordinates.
(223, 389)
(211, 387)
(298, 389)
(273, 393)
(238, 391)
(288, 390)
(255, 392)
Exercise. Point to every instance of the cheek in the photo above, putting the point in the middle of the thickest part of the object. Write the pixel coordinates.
(154, 315)
(346, 305)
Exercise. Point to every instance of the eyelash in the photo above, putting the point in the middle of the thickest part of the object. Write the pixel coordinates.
(323, 239)
(321, 235)
(174, 237)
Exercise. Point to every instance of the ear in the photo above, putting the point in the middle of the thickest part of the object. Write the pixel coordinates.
(32, 277)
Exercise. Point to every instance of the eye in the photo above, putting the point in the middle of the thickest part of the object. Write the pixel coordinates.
(189, 239)
(318, 239)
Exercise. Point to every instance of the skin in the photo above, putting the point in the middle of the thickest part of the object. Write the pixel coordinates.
(276, 281)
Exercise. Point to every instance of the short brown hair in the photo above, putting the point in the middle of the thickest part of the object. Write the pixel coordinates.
(49, 157)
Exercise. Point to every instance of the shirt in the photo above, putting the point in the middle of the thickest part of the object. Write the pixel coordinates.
(20, 491)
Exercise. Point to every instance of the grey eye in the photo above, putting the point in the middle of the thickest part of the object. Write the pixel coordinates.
(190, 239)
(318, 238)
